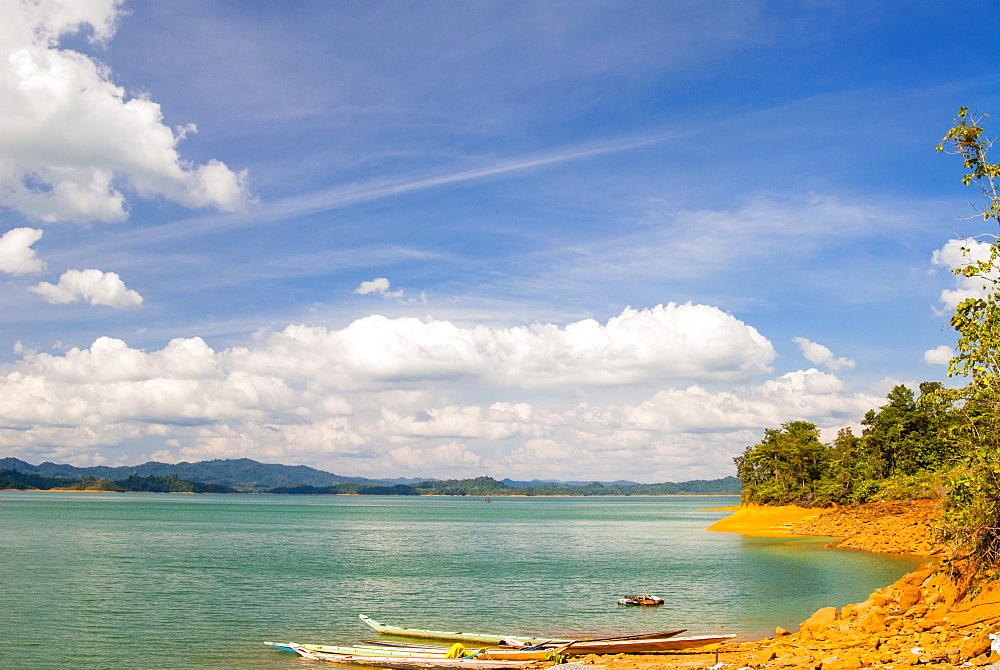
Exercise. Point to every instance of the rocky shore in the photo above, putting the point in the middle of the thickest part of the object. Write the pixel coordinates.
(925, 619)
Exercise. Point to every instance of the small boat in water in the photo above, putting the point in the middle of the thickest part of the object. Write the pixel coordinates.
(640, 600)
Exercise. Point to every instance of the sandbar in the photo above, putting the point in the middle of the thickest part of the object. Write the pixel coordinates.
(763, 520)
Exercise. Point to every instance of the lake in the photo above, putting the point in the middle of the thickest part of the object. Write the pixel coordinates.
(102, 580)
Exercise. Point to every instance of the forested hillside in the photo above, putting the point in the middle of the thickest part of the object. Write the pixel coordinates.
(13, 479)
(243, 473)
(247, 476)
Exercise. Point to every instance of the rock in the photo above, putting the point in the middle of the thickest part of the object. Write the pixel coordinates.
(975, 647)
(781, 632)
(873, 621)
(911, 596)
(812, 627)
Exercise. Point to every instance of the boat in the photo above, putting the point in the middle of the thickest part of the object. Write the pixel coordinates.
(642, 645)
(510, 640)
(400, 662)
(526, 654)
(640, 600)
(638, 644)
(521, 641)
(456, 651)
(361, 651)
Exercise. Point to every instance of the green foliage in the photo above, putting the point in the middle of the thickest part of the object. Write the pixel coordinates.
(907, 436)
(972, 519)
(14, 479)
(785, 466)
(904, 451)
(966, 139)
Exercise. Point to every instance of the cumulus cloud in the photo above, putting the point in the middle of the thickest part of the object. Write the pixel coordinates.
(69, 135)
(93, 286)
(821, 355)
(16, 254)
(379, 285)
(694, 342)
(377, 397)
(959, 253)
(939, 355)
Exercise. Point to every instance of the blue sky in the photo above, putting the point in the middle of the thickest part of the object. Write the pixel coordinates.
(577, 240)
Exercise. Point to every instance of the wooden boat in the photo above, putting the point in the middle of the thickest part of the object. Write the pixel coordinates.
(512, 640)
(526, 654)
(456, 651)
(640, 600)
(479, 638)
(403, 663)
(642, 645)
(361, 651)
(637, 644)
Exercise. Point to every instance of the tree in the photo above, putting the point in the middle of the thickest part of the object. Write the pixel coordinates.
(973, 517)
(907, 435)
(785, 466)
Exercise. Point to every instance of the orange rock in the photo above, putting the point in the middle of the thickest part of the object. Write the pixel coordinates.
(873, 621)
(974, 647)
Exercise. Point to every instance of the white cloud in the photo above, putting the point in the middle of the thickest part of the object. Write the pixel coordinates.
(16, 254)
(959, 253)
(379, 285)
(667, 342)
(377, 398)
(821, 355)
(93, 286)
(939, 355)
(69, 136)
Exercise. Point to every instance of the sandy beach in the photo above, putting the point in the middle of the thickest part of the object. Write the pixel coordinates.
(922, 620)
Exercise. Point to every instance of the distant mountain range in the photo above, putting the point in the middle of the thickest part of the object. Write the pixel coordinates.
(250, 476)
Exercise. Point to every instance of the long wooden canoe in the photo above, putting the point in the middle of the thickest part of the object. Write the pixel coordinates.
(360, 651)
(401, 663)
(425, 652)
(641, 646)
(543, 654)
(480, 638)
(636, 644)
(511, 640)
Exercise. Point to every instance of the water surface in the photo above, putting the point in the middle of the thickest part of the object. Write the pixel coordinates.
(100, 580)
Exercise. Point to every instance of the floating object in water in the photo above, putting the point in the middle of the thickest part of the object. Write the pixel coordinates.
(640, 600)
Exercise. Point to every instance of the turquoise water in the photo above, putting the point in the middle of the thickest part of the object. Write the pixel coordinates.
(94, 580)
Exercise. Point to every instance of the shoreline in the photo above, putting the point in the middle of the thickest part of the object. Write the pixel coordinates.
(923, 618)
